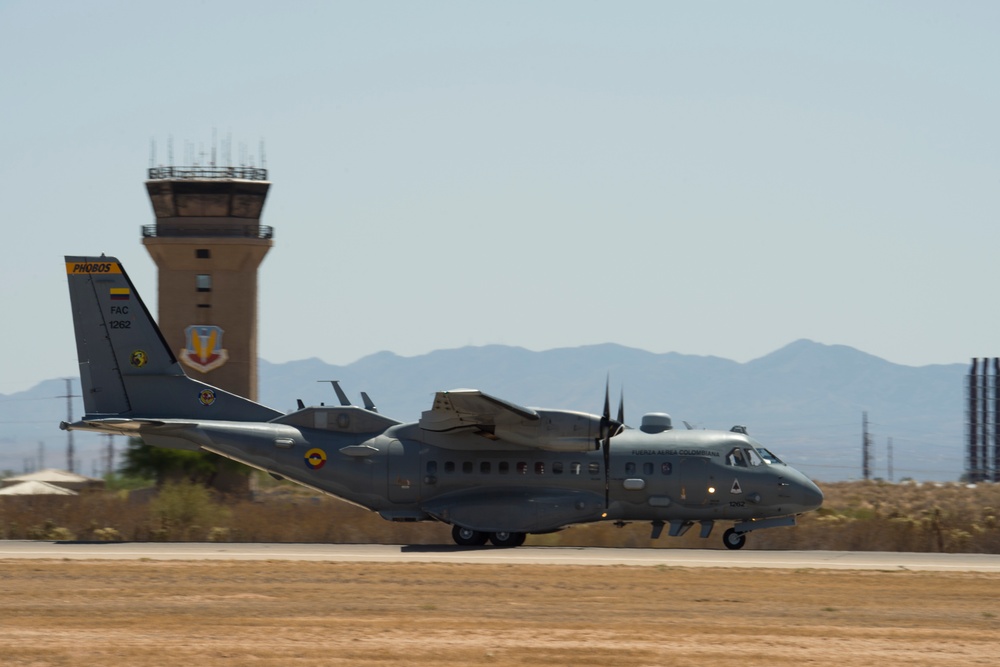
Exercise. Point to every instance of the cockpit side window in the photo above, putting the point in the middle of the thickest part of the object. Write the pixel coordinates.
(753, 458)
(736, 458)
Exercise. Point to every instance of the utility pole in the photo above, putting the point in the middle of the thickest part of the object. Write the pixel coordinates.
(70, 452)
(889, 454)
(109, 461)
(866, 444)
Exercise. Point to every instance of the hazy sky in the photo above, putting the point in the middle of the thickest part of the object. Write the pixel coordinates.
(708, 178)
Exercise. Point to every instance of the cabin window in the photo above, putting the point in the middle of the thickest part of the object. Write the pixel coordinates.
(539, 468)
(630, 468)
(503, 467)
(432, 467)
(522, 468)
(557, 468)
(736, 458)
(467, 467)
(594, 468)
(647, 468)
(203, 282)
(202, 253)
(484, 467)
(574, 468)
(449, 467)
(666, 468)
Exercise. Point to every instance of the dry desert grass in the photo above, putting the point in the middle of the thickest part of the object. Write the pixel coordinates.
(284, 613)
(864, 516)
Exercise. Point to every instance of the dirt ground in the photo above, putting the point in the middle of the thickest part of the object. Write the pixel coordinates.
(303, 614)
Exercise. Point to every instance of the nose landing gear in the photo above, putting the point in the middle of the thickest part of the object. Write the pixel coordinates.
(733, 539)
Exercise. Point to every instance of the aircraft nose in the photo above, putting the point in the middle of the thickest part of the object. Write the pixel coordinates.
(812, 497)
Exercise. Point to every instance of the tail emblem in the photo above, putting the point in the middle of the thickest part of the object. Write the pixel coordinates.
(206, 397)
(138, 358)
(204, 351)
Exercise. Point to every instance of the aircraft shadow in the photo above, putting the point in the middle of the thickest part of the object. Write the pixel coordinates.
(446, 548)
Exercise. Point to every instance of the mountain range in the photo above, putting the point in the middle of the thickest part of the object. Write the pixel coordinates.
(805, 401)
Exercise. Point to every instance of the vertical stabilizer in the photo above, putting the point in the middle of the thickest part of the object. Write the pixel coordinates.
(126, 367)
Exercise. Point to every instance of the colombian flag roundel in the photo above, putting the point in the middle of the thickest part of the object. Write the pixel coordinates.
(315, 459)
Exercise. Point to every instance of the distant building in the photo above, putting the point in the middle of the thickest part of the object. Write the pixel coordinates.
(35, 489)
(61, 479)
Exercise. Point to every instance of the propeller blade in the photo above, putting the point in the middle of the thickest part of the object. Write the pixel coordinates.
(621, 408)
(607, 402)
(606, 442)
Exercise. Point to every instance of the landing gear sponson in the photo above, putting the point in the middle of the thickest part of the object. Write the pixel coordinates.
(466, 537)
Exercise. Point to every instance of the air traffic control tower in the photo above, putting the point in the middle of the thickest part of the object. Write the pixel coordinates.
(207, 244)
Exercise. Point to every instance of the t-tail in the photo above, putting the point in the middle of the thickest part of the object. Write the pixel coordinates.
(128, 373)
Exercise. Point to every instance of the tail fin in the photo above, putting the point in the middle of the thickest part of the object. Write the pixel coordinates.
(126, 367)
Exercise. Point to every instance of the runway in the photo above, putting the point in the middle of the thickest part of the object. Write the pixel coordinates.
(590, 556)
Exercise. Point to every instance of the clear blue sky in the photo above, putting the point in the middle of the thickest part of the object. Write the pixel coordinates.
(708, 178)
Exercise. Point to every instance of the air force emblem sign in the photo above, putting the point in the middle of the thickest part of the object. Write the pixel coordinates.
(204, 351)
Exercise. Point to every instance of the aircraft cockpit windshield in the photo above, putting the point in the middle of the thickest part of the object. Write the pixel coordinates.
(766, 454)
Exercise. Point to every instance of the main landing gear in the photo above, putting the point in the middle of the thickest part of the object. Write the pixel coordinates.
(466, 537)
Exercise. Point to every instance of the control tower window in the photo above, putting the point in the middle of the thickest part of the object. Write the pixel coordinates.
(203, 282)
(203, 253)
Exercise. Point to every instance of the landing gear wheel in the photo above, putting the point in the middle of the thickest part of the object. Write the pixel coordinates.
(506, 539)
(734, 540)
(466, 537)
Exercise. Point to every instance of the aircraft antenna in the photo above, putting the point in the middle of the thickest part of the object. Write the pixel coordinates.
(368, 403)
(341, 396)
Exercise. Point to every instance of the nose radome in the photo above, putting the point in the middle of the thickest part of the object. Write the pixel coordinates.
(812, 497)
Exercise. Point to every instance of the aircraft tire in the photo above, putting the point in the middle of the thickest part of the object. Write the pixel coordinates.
(507, 539)
(734, 540)
(466, 537)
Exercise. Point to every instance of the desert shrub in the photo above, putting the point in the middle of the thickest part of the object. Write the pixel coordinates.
(48, 530)
(107, 534)
(184, 511)
(869, 516)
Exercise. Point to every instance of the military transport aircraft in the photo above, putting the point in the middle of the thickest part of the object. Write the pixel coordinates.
(493, 470)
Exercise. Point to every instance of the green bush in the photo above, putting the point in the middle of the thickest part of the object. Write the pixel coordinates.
(184, 511)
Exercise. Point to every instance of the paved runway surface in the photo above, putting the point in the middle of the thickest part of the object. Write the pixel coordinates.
(837, 560)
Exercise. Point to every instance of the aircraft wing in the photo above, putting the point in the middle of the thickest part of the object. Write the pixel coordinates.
(470, 410)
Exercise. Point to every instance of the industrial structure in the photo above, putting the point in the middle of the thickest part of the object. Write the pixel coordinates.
(982, 419)
(208, 244)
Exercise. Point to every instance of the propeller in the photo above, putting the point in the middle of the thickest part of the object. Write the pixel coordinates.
(608, 429)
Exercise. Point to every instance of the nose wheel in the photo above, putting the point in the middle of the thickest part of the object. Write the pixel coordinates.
(734, 540)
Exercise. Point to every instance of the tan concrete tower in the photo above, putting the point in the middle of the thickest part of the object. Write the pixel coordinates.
(208, 243)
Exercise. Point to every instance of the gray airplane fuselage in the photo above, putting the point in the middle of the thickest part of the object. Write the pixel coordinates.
(408, 474)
